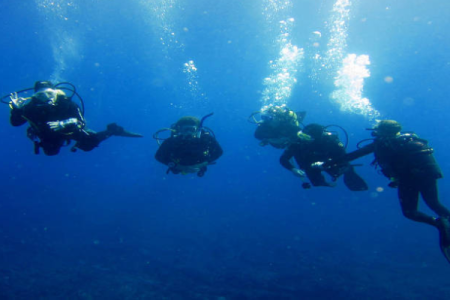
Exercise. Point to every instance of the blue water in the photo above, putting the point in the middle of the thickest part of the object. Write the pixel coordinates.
(110, 224)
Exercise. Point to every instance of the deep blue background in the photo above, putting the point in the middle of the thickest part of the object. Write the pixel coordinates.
(110, 224)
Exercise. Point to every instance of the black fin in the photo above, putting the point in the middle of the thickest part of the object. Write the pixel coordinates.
(443, 225)
(117, 130)
(354, 182)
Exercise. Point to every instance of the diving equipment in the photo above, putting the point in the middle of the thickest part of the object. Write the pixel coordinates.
(40, 86)
(187, 130)
(60, 125)
(159, 139)
(316, 131)
(279, 114)
(318, 165)
(443, 225)
(117, 130)
(185, 127)
(353, 181)
(46, 96)
(386, 128)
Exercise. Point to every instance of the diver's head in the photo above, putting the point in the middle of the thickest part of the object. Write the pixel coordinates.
(41, 85)
(268, 114)
(187, 127)
(278, 114)
(266, 117)
(386, 128)
(314, 130)
(45, 92)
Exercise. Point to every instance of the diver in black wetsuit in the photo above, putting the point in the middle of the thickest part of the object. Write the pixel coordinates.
(408, 162)
(55, 120)
(190, 148)
(318, 144)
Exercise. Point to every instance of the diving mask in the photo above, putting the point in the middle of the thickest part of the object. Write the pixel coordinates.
(188, 130)
(46, 95)
(266, 117)
(377, 133)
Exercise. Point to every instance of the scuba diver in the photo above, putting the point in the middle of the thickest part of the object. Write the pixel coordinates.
(55, 120)
(408, 162)
(190, 148)
(278, 126)
(317, 144)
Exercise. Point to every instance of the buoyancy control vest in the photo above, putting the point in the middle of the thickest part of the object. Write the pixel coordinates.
(405, 156)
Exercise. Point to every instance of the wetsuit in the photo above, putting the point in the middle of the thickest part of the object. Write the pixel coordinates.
(324, 148)
(38, 114)
(409, 162)
(179, 151)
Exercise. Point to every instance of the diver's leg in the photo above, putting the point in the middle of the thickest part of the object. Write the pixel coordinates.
(353, 181)
(87, 140)
(429, 191)
(51, 147)
(408, 194)
(316, 177)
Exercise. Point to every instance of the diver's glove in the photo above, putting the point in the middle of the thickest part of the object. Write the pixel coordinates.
(394, 183)
(306, 185)
(202, 171)
(318, 165)
(298, 172)
(172, 168)
(71, 123)
(17, 102)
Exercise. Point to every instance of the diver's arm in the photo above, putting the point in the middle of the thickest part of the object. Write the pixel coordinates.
(335, 147)
(285, 159)
(75, 112)
(72, 121)
(163, 153)
(215, 151)
(259, 132)
(17, 105)
(16, 117)
(345, 159)
(359, 153)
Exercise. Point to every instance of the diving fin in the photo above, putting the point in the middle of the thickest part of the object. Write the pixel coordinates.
(443, 225)
(117, 130)
(353, 181)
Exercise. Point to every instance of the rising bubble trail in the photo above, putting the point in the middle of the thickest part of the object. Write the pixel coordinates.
(278, 85)
(65, 45)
